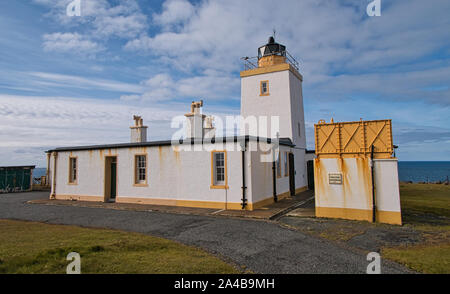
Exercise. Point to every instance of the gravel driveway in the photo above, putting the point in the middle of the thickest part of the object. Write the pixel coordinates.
(260, 246)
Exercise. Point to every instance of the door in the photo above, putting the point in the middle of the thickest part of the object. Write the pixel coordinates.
(310, 171)
(110, 178)
(113, 178)
(291, 174)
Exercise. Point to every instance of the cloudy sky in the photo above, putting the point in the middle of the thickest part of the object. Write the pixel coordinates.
(77, 80)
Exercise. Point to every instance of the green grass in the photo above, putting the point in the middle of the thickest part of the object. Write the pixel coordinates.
(425, 198)
(27, 247)
(426, 208)
(430, 259)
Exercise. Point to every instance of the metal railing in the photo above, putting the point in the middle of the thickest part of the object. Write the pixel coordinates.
(252, 62)
(292, 61)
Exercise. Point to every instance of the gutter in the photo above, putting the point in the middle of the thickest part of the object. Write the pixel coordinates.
(274, 180)
(374, 207)
(244, 187)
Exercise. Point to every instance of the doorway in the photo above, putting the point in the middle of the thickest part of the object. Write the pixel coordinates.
(310, 172)
(291, 174)
(110, 178)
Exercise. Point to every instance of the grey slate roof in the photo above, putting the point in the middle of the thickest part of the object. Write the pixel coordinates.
(282, 141)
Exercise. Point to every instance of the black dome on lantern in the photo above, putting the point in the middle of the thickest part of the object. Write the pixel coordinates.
(271, 48)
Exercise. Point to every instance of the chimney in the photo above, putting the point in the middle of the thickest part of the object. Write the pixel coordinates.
(198, 125)
(194, 126)
(209, 131)
(138, 131)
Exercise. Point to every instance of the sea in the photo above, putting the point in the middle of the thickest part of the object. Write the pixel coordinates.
(423, 171)
(414, 171)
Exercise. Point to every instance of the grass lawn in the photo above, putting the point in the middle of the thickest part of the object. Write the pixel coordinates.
(27, 247)
(425, 208)
(425, 198)
(430, 259)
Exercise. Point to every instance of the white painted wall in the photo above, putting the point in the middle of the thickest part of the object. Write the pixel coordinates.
(285, 100)
(301, 179)
(172, 175)
(356, 189)
(261, 173)
(276, 104)
(297, 110)
(387, 184)
(175, 173)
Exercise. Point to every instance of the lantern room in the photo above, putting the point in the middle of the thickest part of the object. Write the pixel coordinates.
(271, 54)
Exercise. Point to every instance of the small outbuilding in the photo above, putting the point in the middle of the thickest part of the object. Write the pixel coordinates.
(16, 178)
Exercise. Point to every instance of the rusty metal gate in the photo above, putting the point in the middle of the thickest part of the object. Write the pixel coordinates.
(354, 139)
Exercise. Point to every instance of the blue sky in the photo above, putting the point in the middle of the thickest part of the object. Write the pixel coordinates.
(78, 80)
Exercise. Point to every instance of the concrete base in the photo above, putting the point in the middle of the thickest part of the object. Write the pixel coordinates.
(388, 217)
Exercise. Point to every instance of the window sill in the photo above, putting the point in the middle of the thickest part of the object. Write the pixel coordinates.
(268, 94)
(72, 184)
(219, 187)
(140, 185)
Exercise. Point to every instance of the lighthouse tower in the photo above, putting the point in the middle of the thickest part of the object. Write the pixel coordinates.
(274, 88)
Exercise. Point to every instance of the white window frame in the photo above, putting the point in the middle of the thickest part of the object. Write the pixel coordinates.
(219, 169)
(140, 169)
(73, 170)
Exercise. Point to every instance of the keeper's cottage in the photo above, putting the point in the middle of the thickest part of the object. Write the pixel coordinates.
(202, 170)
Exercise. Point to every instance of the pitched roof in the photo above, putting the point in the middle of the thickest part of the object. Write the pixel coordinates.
(282, 141)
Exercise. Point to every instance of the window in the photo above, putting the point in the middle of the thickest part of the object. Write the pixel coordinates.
(299, 129)
(264, 91)
(279, 165)
(141, 169)
(219, 170)
(73, 170)
(286, 166)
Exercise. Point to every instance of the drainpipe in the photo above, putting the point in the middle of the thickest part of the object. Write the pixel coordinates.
(274, 180)
(244, 187)
(374, 207)
(53, 194)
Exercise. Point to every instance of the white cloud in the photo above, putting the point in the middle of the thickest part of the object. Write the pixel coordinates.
(162, 87)
(120, 26)
(99, 22)
(71, 43)
(69, 81)
(327, 37)
(41, 123)
(35, 124)
(330, 39)
(174, 13)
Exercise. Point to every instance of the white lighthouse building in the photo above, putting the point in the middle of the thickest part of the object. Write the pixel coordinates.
(273, 90)
(221, 172)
